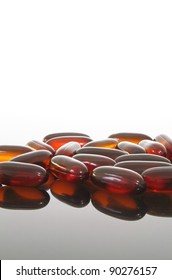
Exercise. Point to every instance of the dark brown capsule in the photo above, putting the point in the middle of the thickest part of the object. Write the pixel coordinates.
(69, 169)
(23, 198)
(118, 180)
(93, 161)
(57, 142)
(147, 157)
(105, 143)
(9, 151)
(130, 136)
(69, 149)
(22, 174)
(130, 147)
(125, 207)
(111, 153)
(40, 157)
(140, 166)
(59, 134)
(167, 142)
(153, 147)
(71, 194)
(38, 145)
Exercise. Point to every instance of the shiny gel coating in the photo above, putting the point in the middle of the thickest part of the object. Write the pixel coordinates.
(59, 134)
(69, 149)
(9, 151)
(158, 178)
(68, 169)
(167, 142)
(130, 136)
(140, 166)
(22, 174)
(111, 153)
(147, 157)
(23, 198)
(125, 207)
(57, 142)
(93, 161)
(106, 143)
(72, 194)
(40, 157)
(50, 180)
(130, 147)
(158, 203)
(153, 147)
(118, 180)
(38, 145)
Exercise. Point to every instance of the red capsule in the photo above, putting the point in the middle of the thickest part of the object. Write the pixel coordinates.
(50, 180)
(125, 207)
(37, 145)
(140, 166)
(93, 161)
(111, 153)
(71, 194)
(68, 169)
(130, 136)
(158, 178)
(106, 143)
(130, 147)
(57, 142)
(167, 142)
(40, 157)
(22, 174)
(23, 198)
(69, 149)
(147, 157)
(59, 134)
(153, 147)
(9, 151)
(118, 180)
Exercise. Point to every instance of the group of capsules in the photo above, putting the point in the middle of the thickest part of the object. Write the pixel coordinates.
(114, 173)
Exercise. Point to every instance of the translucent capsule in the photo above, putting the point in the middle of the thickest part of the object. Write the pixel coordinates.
(140, 166)
(59, 134)
(37, 145)
(22, 174)
(71, 194)
(118, 180)
(68, 169)
(130, 147)
(9, 151)
(93, 161)
(106, 143)
(23, 198)
(111, 153)
(40, 157)
(147, 157)
(50, 180)
(158, 178)
(125, 207)
(153, 147)
(130, 136)
(57, 142)
(69, 149)
(167, 142)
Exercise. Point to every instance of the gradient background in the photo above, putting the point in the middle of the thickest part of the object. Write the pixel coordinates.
(96, 67)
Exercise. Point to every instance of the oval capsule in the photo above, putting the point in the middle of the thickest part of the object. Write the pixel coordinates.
(50, 180)
(71, 194)
(130, 136)
(7, 152)
(147, 157)
(105, 143)
(22, 174)
(59, 134)
(130, 147)
(167, 142)
(23, 198)
(125, 207)
(69, 169)
(118, 180)
(57, 142)
(140, 166)
(38, 145)
(111, 153)
(93, 161)
(69, 149)
(158, 178)
(153, 147)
